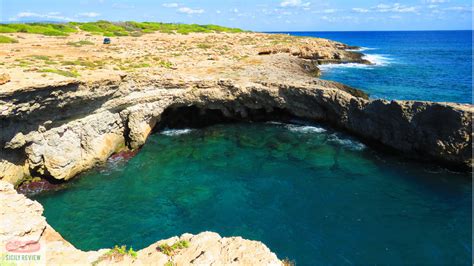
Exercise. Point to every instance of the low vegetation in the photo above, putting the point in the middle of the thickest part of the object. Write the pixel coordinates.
(171, 250)
(48, 29)
(111, 29)
(288, 262)
(6, 39)
(204, 46)
(117, 254)
(80, 43)
(70, 74)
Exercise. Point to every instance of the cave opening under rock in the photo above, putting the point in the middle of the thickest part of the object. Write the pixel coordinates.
(193, 116)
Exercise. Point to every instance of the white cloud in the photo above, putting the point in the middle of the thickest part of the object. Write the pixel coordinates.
(460, 9)
(184, 9)
(360, 10)
(170, 5)
(436, 1)
(50, 15)
(122, 6)
(294, 3)
(190, 11)
(340, 18)
(330, 11)
(394, 8)
(388, 8)
(88, 14)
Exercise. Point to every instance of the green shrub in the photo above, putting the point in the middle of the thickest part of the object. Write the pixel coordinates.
(6, 29)
(71, 74)
(38, 28)
(90, 27)
(165, 64)
(80, 43)
(40, 57)
(111, 29)
(117, 253)
(288, 262)
(204, 46)
(6, 39)
(170, 250)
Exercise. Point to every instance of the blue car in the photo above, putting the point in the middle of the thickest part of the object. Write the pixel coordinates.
(106, 40)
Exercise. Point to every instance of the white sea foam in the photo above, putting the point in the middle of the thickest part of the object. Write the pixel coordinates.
(346, 142)
(305, 129)
(361, 49)
(274, 123)
(176, 132)
(348, 65)
(377, 59)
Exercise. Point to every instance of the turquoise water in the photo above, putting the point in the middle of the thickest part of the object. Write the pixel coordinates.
(310, 194)
(411, 65)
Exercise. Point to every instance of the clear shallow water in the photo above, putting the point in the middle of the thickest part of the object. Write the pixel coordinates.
(308, 193)
(416, 65)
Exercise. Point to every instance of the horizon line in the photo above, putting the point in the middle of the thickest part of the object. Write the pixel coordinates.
(302, 31)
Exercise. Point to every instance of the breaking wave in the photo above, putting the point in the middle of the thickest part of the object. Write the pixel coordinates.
(176, 132)
(346, 142)
(305, 129)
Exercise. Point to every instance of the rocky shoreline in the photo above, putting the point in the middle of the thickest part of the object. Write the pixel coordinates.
(57, 127)
(41, 140)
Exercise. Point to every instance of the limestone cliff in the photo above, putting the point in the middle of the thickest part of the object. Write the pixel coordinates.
(41, 139)
(59, 127)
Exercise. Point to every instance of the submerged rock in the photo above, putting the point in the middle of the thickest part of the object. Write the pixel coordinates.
(35, 187)
(124, 155)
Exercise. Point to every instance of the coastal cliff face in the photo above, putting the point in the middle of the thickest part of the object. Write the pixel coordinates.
(40, 139)
(56, 127)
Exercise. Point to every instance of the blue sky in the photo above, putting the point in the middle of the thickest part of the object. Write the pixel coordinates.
(263, 15)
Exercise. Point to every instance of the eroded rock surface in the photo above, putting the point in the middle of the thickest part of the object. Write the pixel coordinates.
(60, 127)
(21, 220)
(127, 119)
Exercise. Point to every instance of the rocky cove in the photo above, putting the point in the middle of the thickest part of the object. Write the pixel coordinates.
(55, 128)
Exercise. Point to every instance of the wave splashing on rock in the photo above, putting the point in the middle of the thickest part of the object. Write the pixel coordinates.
(305, 129)
(346, 142)
(176, 132)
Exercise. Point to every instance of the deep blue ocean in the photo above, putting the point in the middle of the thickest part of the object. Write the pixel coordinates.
(410, 65)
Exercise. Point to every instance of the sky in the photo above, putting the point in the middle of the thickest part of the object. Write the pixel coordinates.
(257, 15)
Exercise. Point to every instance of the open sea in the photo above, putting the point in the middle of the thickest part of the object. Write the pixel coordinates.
(311, 194)
(410, 65)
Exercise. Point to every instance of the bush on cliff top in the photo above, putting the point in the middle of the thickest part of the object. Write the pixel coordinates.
(170, 250)
(6, 39)
(39, 28)
(116, 254)
(111, 29)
